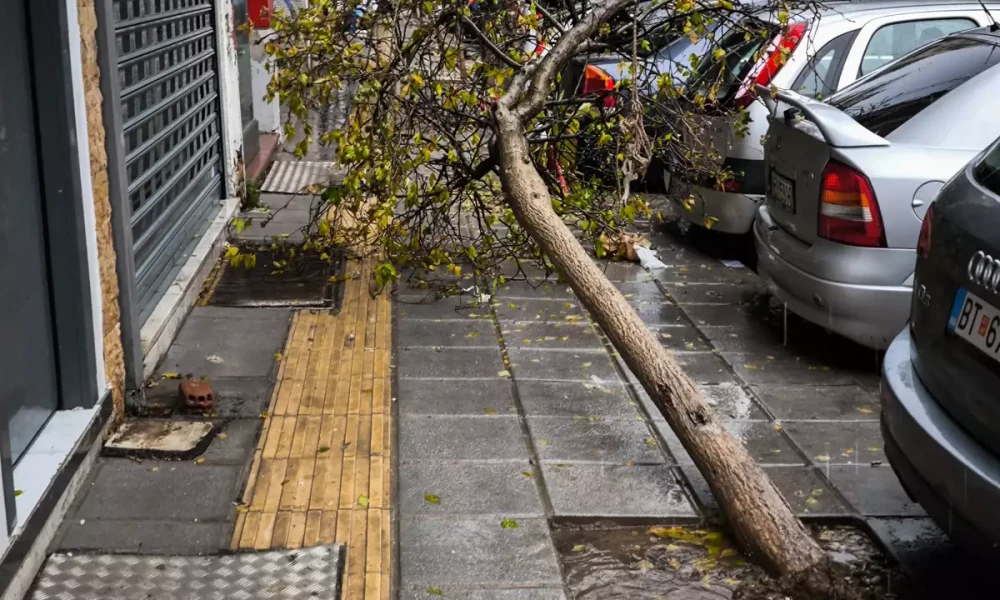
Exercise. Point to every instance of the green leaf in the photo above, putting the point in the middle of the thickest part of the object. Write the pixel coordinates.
(322, 449)
(432, 499)
(434, 591)
(579, 548)
(363, 500)
(509, 524)
(18, 493)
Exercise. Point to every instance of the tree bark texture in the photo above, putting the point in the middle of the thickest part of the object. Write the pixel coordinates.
(760, 518)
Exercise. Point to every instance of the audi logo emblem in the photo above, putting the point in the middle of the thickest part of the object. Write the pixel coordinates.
(985, 270)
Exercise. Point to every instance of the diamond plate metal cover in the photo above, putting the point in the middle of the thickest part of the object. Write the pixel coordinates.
(292, 177)
(311, 573)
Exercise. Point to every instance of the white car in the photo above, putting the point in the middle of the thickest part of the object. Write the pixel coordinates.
(826, 51)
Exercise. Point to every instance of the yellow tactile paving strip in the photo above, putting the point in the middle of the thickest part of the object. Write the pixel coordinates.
(321, 472)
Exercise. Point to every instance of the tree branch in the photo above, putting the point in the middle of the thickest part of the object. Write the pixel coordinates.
(554, 62)
(466, 21)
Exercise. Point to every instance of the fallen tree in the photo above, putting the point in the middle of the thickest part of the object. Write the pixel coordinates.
(462, 152)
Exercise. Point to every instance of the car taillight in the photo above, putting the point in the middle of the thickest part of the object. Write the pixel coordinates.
(848, 211)
(924, 241)
(787, 43)
(597, 81)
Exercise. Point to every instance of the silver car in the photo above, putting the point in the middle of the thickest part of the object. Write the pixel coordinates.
(849, 181)
(827, 50)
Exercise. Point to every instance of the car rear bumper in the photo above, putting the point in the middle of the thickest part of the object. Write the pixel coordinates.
(733, 212)
(953, 477)
(870, 315)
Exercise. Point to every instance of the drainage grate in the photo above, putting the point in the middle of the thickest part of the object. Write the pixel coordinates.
(312, 574)
(307, 281)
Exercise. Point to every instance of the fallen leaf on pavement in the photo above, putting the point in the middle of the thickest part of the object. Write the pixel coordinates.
(432, 499)
(508, 524)
(363, 500)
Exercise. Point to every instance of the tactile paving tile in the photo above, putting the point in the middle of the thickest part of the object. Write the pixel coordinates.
(310, 573)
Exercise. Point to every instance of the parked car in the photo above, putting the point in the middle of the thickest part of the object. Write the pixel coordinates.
(940, 415)
(826, 51)
(849, 181)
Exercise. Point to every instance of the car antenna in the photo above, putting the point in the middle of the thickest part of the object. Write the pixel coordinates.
(994, 26)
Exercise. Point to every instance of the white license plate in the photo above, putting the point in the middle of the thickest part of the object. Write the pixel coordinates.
(783, 191)
(976, 321)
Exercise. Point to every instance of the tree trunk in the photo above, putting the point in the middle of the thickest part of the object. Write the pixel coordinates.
(761, 520)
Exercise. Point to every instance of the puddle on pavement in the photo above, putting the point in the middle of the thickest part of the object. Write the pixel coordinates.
(607, 561)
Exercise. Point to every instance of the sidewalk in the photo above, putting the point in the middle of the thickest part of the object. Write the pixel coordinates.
(521, 411)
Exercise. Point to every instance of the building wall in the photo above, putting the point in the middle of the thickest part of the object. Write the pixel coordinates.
(114, 368)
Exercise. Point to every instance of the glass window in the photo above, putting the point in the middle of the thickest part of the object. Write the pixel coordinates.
(820, 76)
(892, 41)
(902, 89)
(740, 55)
(987, 170)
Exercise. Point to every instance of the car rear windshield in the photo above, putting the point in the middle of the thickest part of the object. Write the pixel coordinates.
(743, 44)
(901, 89)
(987, 170)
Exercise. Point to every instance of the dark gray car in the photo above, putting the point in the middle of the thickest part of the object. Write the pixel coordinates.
(940, 409)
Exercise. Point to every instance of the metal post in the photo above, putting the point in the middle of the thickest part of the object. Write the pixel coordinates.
(121, 211)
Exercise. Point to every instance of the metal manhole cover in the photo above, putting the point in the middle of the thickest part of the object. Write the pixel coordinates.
(305, 281)
(307, 574)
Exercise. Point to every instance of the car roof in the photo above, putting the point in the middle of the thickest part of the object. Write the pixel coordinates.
(848, 9)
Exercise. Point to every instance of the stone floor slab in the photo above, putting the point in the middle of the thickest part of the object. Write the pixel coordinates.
(730, 315)
(561, 365)
(438, 551)
(541, 311)
(714, 293)
(757, 369)
(461, 438)
(728, 400)
(125, 489)
(440, 488)
(806, 491)
(144, 537)
(216, 343)
(234, 443)
(536, 288)
(806, 402)
(838, 442)
(469, 333)
(241, 397)
(704, 368)
(591, 490)
(449, 363)
(679, 336)
(873, 491)
(581, 439)
(641, 292)
(701, 272)
(559, 336)
(450, 591)
(581, 399)
(659, 312)
(426, 307)
(455, 397)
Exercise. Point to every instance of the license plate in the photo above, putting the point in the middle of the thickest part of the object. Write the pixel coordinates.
(976, 321)
(783, 191)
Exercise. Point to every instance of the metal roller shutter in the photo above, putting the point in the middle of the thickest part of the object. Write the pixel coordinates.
(172, 132)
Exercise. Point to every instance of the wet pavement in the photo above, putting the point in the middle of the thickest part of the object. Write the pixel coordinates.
(522, 410)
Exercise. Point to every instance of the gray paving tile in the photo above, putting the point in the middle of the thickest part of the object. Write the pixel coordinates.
(461, 438)
(623, 271)
(592, 490)
(730, 315)
(607, 400)
(449, 363)
(568, 365)
(806, 491)
(535, 288)
(562, 439)
(228, 343)
(468, 333)
(701, 272)
(438, 551)
(678, 336)
(701, 367)
(469, 488)
(241, 397)
(714, 293)
(561, 336)
(728, 400)
(541, 310)
(873, 491)
(454, 397)
(801, 402)
(235, 442)
(761, 338)
(757, 369)
(766, 445)
(642, 291)
(183, 491)
(455, 308)
(659, 312)
(416, 592)
(838, 442)
(145, 537)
